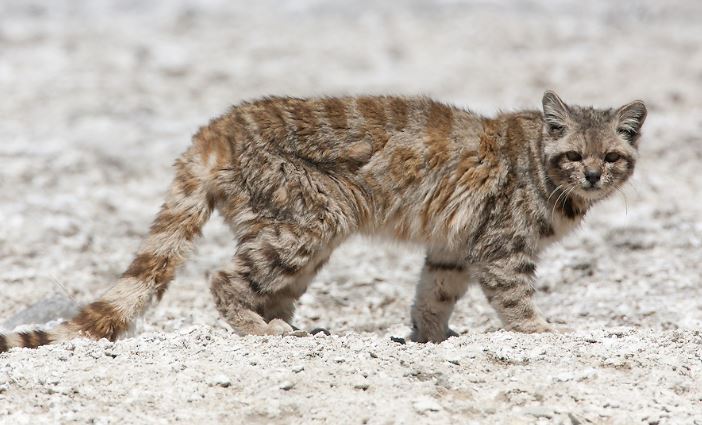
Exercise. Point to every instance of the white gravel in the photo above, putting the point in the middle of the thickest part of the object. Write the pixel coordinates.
(99, 97)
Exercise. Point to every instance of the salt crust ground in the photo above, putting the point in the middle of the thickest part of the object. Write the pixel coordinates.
(98, 97)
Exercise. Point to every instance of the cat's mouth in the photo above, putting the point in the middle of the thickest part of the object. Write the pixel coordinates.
(593, 193)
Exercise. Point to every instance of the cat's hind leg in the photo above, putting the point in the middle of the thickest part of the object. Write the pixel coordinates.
(282, 305)
(271, 269)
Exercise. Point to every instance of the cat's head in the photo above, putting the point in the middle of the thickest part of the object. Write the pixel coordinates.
(590, 152)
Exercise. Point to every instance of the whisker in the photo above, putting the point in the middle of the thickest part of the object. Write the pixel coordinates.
(553, 209)
(573, 189)
(626, 204)
(554, 191)
(563, 192)
(568, 192)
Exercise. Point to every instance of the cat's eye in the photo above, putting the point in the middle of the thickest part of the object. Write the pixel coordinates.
(612, 157)
(573, 156)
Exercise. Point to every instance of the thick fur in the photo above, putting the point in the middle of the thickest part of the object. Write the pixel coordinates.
(295, 177)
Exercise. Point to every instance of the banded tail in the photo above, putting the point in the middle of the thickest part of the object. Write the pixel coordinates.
(186, 209)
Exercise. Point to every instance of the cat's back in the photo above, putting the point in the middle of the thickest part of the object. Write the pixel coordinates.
(337, 131)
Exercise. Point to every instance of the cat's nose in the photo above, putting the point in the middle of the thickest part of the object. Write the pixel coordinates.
(592, 176)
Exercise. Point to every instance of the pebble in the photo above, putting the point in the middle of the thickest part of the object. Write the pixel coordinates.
(221, 380)
(615, 362)
(195, 396)
(297, 369)
(539, 412)
(361, 383)
(286, 386)
(453, 358)
(398, 340)
(564, 377)
(576, 419)
(57, 390)
(426, 405)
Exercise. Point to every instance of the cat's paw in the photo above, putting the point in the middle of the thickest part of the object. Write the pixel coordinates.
(279, 327)
(415, 336)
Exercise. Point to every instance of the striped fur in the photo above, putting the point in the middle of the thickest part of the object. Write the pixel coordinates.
(295, 177)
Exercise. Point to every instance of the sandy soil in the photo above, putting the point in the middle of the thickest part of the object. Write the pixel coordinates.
(98, 98)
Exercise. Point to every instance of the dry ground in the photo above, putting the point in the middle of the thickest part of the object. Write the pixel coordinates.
(98, 98)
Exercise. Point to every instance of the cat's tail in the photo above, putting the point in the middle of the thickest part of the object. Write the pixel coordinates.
(187, 207)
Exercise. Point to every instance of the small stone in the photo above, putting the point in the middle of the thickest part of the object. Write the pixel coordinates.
(426, 405)
(442, 381)
(320, 332)
(298, 333)
(57, 390)
(575, 419)
(3, 388)
(586, 374)
(195, 397)
(361, 384)
(564, 377)
(339, 360)
(297, 369)
(539, 412)
(398, 340)
(221, 380)
(453, 358)
(286, 386)
(373, 355)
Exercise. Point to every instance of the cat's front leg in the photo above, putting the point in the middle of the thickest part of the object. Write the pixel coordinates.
(508, 286)
(443, 281)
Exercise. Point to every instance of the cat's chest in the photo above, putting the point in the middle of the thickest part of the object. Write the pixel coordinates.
(561, 226)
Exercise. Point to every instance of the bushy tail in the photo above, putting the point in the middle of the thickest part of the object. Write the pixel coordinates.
(186, 209)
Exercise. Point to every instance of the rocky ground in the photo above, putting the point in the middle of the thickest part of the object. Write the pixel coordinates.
(99, 97)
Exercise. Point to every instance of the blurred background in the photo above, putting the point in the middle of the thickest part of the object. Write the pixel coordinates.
(99, 97)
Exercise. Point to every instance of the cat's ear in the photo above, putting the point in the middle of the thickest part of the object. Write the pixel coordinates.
(630, 118)
(555, 113)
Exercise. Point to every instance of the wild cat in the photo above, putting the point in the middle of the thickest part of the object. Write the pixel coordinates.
(295, 177)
